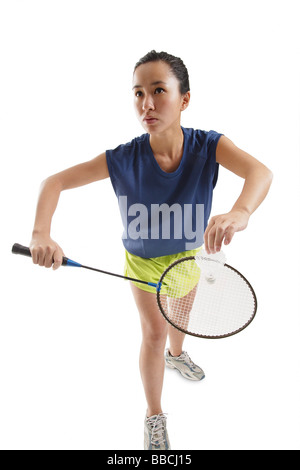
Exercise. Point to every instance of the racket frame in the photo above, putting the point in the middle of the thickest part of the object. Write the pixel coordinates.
(166, 317)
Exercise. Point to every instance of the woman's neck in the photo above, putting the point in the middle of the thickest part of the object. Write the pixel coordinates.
(168, 144)
(167, 149)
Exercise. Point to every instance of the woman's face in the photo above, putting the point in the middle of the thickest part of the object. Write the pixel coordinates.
(157, 98)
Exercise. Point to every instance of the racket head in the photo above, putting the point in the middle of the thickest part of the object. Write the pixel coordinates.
(203, 307)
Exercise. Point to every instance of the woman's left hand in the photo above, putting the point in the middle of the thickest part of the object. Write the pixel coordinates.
(221, 228)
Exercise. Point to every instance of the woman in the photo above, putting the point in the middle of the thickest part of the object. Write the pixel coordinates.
(167, 172)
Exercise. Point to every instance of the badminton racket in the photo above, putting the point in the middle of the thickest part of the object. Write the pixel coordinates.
(199, 295)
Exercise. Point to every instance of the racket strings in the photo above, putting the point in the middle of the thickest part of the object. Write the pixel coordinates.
(205, 308)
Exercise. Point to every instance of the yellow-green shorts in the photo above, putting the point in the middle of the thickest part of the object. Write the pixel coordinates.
(151, 269)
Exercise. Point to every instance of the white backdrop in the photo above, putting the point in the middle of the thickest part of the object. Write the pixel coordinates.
(69, 340)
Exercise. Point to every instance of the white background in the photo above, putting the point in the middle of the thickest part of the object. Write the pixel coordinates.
(69, 340)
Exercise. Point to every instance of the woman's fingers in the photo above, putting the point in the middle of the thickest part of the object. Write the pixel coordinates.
(221, 228)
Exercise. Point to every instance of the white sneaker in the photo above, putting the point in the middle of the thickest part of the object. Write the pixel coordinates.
(184, 365)
(155, 433)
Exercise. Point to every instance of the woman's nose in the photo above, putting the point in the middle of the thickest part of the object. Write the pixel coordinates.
(148, 103)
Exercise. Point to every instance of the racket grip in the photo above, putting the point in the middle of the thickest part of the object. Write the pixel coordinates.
(18, 249)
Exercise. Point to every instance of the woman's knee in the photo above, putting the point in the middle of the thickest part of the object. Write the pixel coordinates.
(155, 337)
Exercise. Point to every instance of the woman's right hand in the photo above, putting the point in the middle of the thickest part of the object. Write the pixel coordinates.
(45, 251)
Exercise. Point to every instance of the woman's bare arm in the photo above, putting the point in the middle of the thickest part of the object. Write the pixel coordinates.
(45, 251)
(258, 179)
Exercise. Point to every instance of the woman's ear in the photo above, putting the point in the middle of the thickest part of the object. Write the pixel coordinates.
(185, 100)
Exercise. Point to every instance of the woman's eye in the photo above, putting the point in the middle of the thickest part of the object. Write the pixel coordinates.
(156, 92)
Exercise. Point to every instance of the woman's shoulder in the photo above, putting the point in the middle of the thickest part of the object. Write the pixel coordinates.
(131, 145)
(202, 143)
(199, 137)
(199, 134)
(124, 157)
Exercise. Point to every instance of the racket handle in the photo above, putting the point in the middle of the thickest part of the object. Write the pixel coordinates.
(18, 249)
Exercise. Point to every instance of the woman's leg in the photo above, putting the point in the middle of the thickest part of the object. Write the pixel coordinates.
(182, 307)
(176, 339)
(154, 334)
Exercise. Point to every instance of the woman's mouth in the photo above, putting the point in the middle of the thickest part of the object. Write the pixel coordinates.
(150, 120)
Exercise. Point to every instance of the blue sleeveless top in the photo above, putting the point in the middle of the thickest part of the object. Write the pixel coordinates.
(164, 213)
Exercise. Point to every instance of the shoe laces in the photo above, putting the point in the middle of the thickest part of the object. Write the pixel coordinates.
(186, 358)
(158, 426)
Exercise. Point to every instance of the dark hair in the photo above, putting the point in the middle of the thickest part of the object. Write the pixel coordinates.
(176, 64)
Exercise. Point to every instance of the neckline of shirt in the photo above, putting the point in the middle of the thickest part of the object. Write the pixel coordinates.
(166, 174)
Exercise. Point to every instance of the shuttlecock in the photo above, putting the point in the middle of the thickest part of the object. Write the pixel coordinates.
(210, 264)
